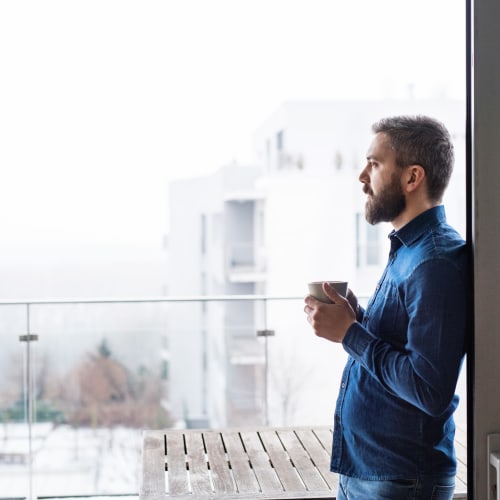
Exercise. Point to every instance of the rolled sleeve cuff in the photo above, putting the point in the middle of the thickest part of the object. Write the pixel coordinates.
(356, 340)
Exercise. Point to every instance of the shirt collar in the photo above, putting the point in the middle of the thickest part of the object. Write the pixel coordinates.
(412, 231)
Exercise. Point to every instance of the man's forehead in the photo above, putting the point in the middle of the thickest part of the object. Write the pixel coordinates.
(379, 146)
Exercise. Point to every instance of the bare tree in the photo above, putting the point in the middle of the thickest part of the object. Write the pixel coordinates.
(102, 391)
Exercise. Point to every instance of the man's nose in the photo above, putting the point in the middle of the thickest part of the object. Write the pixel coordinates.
(363, 176)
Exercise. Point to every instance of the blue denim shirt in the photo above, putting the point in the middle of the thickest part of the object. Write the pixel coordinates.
(394, 413)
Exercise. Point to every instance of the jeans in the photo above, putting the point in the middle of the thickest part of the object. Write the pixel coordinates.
(422, 488)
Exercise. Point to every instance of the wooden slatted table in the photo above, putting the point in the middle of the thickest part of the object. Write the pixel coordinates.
(248, 464)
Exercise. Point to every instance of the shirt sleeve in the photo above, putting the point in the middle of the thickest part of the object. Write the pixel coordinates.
(360, 313)
(425, 372)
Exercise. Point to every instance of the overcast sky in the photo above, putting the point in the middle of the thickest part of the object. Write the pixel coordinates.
(103, 102)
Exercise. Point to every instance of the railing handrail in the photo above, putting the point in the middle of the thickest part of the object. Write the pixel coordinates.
(115, 300)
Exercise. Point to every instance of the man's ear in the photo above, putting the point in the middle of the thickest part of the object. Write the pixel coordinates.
(413, 177)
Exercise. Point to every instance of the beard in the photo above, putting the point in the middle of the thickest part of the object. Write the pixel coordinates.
(387, 204)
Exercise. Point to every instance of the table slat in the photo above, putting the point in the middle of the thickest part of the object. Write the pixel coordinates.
(319, 455)
(153, 466)
(325, 436)
(197, 462)
(287, 473)
(315, 444)
(261, 465)
(219, 466)
(243, 474)
(178, 483)
(302, 461)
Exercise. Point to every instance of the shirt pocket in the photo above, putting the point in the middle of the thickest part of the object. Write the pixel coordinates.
(386, 317)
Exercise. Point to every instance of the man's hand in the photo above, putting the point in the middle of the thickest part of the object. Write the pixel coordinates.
(330, 321)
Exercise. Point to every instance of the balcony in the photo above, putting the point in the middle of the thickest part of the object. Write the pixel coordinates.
(82, 379)
(243, 265)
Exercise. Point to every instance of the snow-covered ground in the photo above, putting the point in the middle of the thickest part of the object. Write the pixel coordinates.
(69, 461)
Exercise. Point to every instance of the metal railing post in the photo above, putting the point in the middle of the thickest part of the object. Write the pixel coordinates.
(266, 333)
(29, 404)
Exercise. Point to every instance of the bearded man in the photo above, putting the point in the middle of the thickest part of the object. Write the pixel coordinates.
(393, 426)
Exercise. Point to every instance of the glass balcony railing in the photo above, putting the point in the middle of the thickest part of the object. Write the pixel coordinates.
(81, 380)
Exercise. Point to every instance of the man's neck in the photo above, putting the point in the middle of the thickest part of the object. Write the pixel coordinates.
(410, 212)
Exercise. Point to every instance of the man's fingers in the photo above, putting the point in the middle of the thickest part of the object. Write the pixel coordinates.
(331, 292)
(311, 300)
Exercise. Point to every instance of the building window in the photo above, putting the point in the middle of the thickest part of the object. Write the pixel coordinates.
(372, 245)
(280, 137)
(268, 154)
(203, 234)
(367, 243)
(280, 146)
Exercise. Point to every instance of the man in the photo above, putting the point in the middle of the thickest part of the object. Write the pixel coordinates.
(394, 429)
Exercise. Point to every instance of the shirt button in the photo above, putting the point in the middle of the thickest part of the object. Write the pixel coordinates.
(343, 385)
